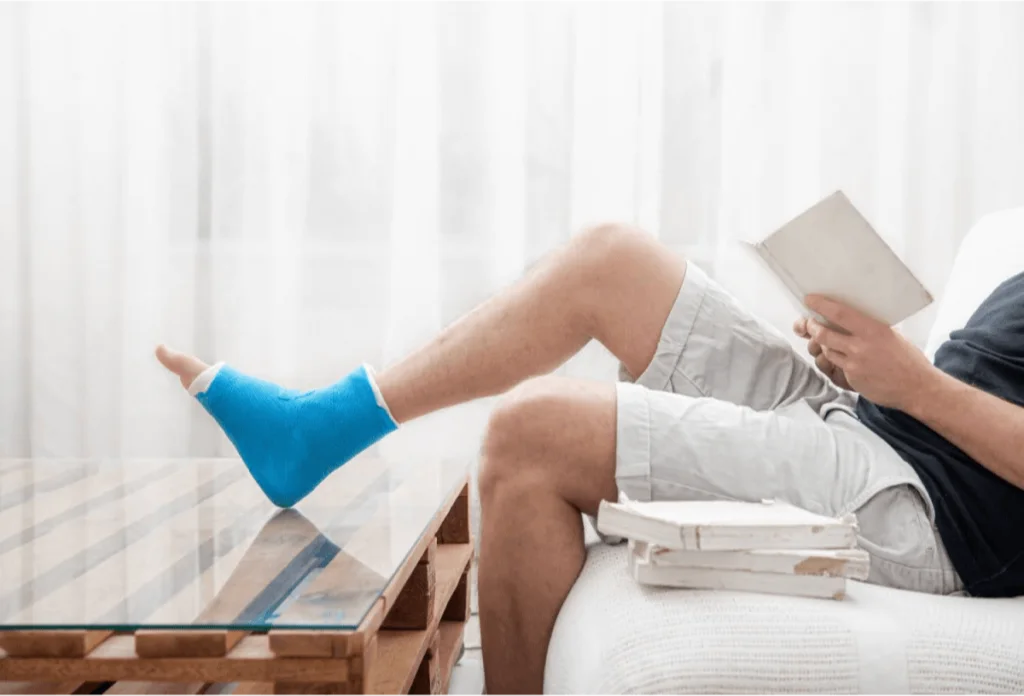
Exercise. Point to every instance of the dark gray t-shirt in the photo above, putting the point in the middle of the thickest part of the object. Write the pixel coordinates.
(980, 516)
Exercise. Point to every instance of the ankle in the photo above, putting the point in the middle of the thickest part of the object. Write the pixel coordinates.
(378, 394)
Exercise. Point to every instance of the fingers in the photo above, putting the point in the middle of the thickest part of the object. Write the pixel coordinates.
(835, 357)
(800, 328)
(831, 367)
(824, 364)
(828, 339)
(841, 315)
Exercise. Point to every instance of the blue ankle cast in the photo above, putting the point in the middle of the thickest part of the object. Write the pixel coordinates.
(291, 440)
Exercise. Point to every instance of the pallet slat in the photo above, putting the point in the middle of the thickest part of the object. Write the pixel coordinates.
(136, 687)
(324, 644)
(73, 687)
(455, 528)
(451, 636)
(458, 608)
(408, 647)
(51, 643)
(319, 643)
(186, 643)
(427, 679)
(115, 659)
(415, 602)
(413, 607)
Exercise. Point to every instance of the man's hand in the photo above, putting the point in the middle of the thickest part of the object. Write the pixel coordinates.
(814, 348)
(873, 359)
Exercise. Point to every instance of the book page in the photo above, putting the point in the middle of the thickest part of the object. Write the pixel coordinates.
(729, 513)
(832, 250)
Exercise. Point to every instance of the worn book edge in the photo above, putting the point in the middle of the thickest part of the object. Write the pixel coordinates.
(851, 563)
(818, 586)
(627, 519)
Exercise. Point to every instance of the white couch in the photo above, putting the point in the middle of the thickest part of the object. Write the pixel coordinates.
(614, 637)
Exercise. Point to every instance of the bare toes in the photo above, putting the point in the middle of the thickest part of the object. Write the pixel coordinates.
(186, 367)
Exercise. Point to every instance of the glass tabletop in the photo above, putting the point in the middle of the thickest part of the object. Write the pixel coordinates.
(193, 543)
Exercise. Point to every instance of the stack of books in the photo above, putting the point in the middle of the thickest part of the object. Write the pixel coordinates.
(770, 547)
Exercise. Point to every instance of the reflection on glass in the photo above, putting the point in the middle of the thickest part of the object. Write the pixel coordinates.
(170, 543)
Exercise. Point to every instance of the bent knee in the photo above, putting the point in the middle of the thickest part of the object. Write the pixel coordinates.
(523, 413)
(612, 241)
(520, 427)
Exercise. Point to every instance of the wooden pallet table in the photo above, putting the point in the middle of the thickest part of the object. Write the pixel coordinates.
(185, 581)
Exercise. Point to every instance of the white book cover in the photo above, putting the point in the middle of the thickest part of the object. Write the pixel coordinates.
(832, 250)
(822, 586)
(725, 525)
(846, 563)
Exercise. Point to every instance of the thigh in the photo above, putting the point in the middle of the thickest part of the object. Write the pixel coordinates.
(676, 447)
(905, 547)
(710, 346)
(896, 518)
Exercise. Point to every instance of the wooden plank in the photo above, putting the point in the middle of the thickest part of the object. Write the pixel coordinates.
(37, 687)
(280, 540)
(49, 688)
(64, 509)
(252, 688)
(357, 476)
(286, 534)
(399, 652)
(343, 575)
(130, 550)
(451, 635)
(358, 667)
(186, 642)
(458, 608)
(432, 530)
(322, 644)
(47, 643)
(427, 679)
(455, 528)
(115, 659)
(136, 687)
(73, 687)
(327, 644)
(326, 689)
(415, 602)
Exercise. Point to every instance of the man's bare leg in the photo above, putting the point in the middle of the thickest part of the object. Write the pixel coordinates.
(549, 454)
(610, 283)
(550, 448)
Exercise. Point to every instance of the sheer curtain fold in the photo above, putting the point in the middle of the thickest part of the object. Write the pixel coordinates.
(299, 187)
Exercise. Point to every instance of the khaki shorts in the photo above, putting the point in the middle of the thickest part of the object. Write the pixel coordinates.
(728, 410)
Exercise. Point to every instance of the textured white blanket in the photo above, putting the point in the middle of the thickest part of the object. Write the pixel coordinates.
(614, 636)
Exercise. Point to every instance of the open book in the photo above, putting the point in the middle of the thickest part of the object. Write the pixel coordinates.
(725, 525)
(832, 250)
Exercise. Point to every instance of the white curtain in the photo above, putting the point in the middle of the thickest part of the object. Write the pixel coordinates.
(297, 188)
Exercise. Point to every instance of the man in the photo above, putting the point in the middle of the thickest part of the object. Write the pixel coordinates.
(929, 456)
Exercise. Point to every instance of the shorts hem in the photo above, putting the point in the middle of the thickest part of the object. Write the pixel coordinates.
(633, 442)
(677, 329)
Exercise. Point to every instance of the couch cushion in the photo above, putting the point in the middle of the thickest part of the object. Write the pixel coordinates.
(613, 636)
(991, 252)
